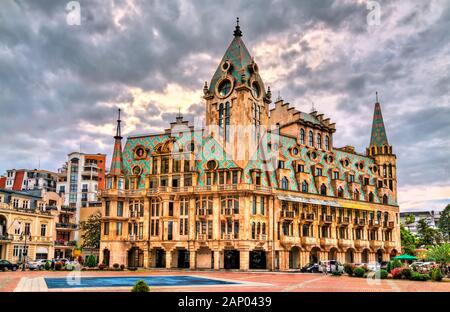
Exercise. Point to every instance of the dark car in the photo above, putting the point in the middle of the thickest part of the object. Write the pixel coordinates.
(383, 265)
(310, 268)
(6, 265)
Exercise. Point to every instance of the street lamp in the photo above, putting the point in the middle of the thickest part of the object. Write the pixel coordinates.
(24, 236)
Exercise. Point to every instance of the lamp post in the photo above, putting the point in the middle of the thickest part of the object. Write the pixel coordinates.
(24, 236)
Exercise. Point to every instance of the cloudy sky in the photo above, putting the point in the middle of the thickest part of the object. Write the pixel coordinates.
(60, 84)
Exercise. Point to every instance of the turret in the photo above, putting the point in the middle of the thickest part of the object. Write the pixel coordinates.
(116, 176)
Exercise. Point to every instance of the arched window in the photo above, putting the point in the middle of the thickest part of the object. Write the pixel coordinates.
(390, 171)
(341, 192)
(385, 199)
(258, 229)
(386, 216)
(386, 150)
(221, 115)
(327, 143)
(284, 183)
(253, 230)
(319, 140)
(384, 171)
(311, 138)
(323, 190)
(263, 229)
(302, 136)
(373, 150)
(356, 195)
(305, 187)
(371, 197)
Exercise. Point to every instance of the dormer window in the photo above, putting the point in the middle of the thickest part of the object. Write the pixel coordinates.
(284, 183)
(281, 164)
(336, 175)
(341, 192)
(300, 168)
(305, 187)
(351, 178)
(318, 172)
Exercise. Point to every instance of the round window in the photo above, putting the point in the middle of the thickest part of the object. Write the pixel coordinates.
(224, 88)
(346, 163)
(256, 91)
(211, 165)
(313, 155)
(361, 166)
(295, 151)
(140, 152)
(136, 170)
(330, 159)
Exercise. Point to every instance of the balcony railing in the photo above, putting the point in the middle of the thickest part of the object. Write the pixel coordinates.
(344, 220)
(70, 226)
(6, 237)
(287, 214)
(361, 244)
(374, 223)
(284, 239)
(345, 243)
(65, 243)
(389, 224)
(202, 236)
(308, 217)
(376, 244)
(68, 209)
(309, 241)
(328, 242)
(327, 218)
(360, 221)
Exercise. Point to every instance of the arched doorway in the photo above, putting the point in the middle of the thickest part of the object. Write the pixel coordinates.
(106, 255)
(294, 258)
(258, 259)
(182, 256)
(379, 255)
(135, 258)
(158, 257)
(231, 259)
(350, 256)
(365, 256)
(332, 254)
(393, 253)
(314, 255)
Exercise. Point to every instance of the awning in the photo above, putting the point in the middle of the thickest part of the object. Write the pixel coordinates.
(299, 199)
(42, 250)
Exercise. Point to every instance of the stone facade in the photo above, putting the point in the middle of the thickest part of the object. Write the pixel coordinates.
(257, 188)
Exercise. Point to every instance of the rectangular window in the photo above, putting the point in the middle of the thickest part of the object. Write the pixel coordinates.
(43, 229)
(281, 164)
(120, 208)
(319, 172)
(176, 165)
(336, 175)
(119, 228)
(262, 207)
(170, 230)
(221, 177)
(301, 168)
(27, 228)
(210, 229)
(235, 177)
(107, 205)
(254, 205)
(236, 229)
(170, 209)
(258, 178)
(106, 228)
(352, 178)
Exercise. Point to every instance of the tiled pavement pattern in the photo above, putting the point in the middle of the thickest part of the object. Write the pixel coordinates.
(267, 281)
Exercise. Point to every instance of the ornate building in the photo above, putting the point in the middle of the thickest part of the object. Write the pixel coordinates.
(256, 188)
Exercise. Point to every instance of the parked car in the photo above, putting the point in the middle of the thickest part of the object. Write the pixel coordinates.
(310, 268)
(374, 266)
(383, 265)
(62, 260)
(416, 264)
(37, 264)
(6, 265)
(332, 266)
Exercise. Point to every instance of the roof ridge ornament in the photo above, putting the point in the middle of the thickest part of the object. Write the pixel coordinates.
(237, 31)
(118, 130)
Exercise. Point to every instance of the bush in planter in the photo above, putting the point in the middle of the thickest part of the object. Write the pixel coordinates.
(393, 264)
(116, 266)
(47, 265)
(91, 261)
(334, 273)
(140, 286)
(359, 272)
(132, 268)
(383, 274)
(101, 266)
(122, 267)
(58, 266)
(419, 277)
(397, 273)
(406, 273)
(349, 268)
(436, 275)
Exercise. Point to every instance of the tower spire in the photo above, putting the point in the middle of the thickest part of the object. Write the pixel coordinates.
(237, 31)
(118, 130)
(378, 136)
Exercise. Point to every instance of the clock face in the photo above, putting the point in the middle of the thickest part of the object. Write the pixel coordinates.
(256, 90)
(224, 88)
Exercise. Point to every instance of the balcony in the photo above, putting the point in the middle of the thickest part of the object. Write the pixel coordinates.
(344, 220)
(202, 237)
(134, 193)
(345, 243)
(134, 214)
(227, 236)
(327, 219)
(389, 224)
(359, 222)
(308, 217)
(309, 241)
(289, 240)
(284, 214)
(361, 244)
(390, 245)
(68, 209)
(6, 237)
(374, 223)
(64, 243)
(132, 238)
(376, 244)
(328, 242)
(66, 226)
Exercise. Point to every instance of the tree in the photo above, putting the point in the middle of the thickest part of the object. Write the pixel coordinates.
(444, 223)
(440, 254)
(410, 219)
(91, 231)
(428, 236)
(408, 240)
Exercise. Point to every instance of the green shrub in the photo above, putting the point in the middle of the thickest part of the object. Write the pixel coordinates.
(419, 277)
(334, 273)
(393, 264)
(406, 273)
(116, 266)
(132, 268)
(359, 272)
(383, 274)
(47, 265)
(91, 261)
(140, 286)
(436, 275)
(349, 268)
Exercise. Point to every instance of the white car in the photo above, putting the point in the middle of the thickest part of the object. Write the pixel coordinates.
(373, 267)
(332, 266)
(37, 264)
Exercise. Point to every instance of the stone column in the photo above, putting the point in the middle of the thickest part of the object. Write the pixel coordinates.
(168, 259)
(192, 260)
(357, 257)
(216, 259)
(244, 260)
